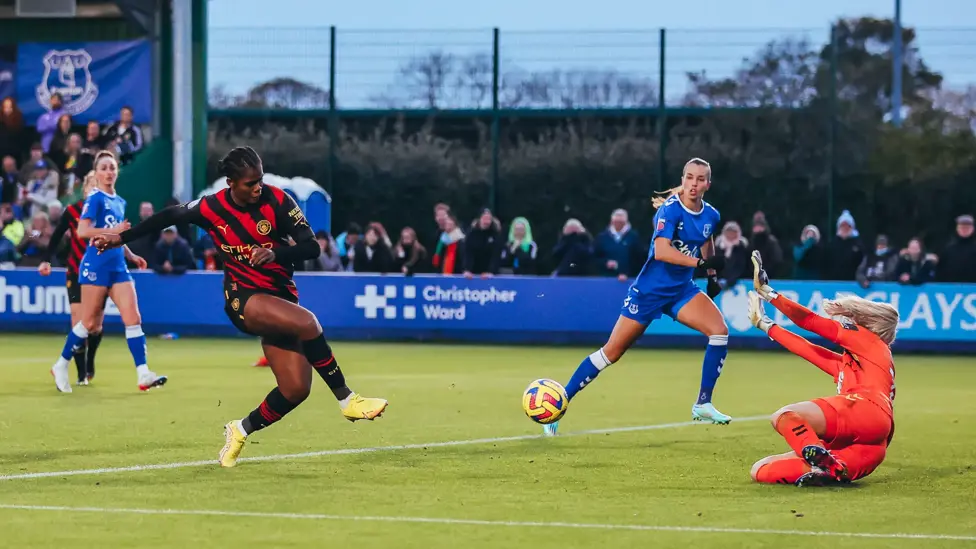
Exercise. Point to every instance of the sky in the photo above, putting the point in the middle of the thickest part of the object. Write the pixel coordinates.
(255, 40)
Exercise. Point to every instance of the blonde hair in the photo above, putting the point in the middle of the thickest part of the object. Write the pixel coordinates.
(89, 184)
(94, 181)
(663, 197)
(881, 319)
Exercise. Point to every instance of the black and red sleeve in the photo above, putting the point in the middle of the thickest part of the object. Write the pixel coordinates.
(292, 222)
(174, 215)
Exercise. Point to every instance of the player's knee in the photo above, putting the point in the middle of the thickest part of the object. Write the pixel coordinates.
(309, 327)
(756, 467)
(91, 325)
(719, 331)
(774, 419)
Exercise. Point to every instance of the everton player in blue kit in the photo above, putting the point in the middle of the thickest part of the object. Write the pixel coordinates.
(106, 274)
(682, 241)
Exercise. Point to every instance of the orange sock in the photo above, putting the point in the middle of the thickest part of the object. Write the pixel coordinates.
(797, 432)
(783, 471)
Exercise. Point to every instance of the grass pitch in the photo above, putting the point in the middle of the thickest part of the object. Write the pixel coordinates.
(664, 486)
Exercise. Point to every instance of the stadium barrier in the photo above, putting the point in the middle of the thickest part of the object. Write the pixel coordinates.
(501, 310)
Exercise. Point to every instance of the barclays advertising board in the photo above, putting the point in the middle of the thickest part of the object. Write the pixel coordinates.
(501, 309)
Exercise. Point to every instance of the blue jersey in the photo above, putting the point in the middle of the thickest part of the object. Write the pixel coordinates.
(104, 211)
(688, 231)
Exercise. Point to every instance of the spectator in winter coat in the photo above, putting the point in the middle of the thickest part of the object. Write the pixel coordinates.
(346, 244)
(846, 252)
(878, 266)
(328, 260)
(42, 188)
(618, 251)
(33, 248)
(808, 255)
(409, 255)
(765, 243)
(10, 187)
(958, 262)
(483, 246)
(47, 123)
(124, 137)
(520, 252)
(449, 254)
(372, 253)
(915, 267)
(173, 254)
(11, 234)
(574, 251)
(732, 250)
(36, 155)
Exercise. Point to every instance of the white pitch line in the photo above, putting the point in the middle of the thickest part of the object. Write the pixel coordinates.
(348, 451)
(475, 522)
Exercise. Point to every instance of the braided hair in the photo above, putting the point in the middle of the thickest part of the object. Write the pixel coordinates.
(233, 164)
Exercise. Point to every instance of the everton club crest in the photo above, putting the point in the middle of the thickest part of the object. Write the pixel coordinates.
(67, 72)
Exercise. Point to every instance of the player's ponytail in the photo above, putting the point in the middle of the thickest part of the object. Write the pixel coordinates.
(89, 184)
(881, 319)
(663, 197)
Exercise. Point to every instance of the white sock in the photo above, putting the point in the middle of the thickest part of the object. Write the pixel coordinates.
(80, 331)
(599, 359)
(142, 371)
(345, 402)
(240, 427)
(61, 363)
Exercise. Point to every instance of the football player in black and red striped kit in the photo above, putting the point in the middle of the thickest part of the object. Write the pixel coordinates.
(85, 354)
(250, 223)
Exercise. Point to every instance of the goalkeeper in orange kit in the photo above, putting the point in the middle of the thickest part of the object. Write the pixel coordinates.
(843, 437)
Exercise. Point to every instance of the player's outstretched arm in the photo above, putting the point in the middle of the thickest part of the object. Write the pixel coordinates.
(825, 359)
(800, 315)
(173, 215)
(63, 225)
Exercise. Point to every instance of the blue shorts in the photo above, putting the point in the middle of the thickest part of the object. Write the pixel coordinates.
(648, 307)
(103, 275)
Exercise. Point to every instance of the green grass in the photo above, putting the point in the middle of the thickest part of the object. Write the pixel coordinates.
(691, 476)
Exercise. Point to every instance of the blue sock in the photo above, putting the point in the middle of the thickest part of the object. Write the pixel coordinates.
(76, 337)
(586, 372)
(137, 344)
(715, 353)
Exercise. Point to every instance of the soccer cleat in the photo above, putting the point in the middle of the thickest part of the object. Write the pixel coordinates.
(550, 429)
(815, 477)
(363, 408)
(233, 444)
(821, 459)
(707, 412)
(84, 381)
(60, 373)
(151, 380)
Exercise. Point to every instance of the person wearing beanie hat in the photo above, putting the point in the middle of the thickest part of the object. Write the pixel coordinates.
(959, 257)
(808, 255)
(846, 252)
(766, 244)
(879, 265)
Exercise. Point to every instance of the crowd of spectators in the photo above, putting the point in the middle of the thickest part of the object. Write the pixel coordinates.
(43, 166)
(483, 248)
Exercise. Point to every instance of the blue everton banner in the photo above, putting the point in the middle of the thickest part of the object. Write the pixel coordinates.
(501, 309)
(95, 79)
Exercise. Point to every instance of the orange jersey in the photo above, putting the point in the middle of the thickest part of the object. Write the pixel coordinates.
(865, 368)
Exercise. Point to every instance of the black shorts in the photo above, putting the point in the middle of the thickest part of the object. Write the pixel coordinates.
(74, 289)
(236, 297)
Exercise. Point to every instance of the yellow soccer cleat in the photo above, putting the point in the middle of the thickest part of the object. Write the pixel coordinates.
(363, 408)
(232, 447)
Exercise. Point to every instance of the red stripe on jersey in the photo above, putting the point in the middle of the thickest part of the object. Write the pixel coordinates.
(245, 220)
(224, 237)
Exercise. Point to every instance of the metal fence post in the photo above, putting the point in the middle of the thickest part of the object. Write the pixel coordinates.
(662, 114)
(495, 122)
(333, 124)
(832, 131)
